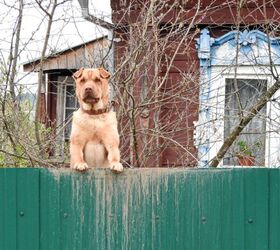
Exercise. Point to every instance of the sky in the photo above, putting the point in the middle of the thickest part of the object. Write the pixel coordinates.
(68, 30)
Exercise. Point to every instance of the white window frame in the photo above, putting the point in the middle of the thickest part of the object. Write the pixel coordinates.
(217, 59)
(220, 74)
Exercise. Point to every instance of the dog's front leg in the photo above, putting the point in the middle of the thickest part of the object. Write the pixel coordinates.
(112, 147)
(77, 156)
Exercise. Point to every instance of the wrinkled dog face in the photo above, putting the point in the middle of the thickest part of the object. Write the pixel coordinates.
(92, 88)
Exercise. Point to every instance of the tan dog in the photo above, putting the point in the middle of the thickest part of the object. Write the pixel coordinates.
(94, 140)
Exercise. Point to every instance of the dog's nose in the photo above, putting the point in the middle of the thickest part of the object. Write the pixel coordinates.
(88, 90)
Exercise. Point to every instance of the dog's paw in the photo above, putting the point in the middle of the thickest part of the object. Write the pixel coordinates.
(81, 166)
(116, 167)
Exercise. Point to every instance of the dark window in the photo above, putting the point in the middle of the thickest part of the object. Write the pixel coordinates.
(240, 96)
(71, 105)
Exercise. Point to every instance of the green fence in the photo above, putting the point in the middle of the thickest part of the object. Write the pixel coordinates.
(140, 209)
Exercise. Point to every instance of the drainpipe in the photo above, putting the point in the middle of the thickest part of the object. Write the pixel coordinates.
(93, 19)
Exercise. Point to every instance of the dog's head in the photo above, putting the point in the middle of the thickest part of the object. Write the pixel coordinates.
(92, 88)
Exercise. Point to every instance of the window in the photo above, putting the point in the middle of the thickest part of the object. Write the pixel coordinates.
(71, 104)
(240, 96)
(235, 70)
(66, 105)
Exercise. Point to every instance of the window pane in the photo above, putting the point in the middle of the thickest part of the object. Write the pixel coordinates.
(70, 96)
(68, 116)
(68, 113)
(70, 106)
(67, 130)
(239, 98)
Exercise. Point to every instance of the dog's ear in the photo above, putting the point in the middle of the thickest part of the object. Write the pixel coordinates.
(78, 73)
(103, 73)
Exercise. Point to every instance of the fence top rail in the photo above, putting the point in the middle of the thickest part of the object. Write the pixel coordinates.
(132, 171)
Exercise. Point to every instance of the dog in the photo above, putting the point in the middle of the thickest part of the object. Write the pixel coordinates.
(94, 140)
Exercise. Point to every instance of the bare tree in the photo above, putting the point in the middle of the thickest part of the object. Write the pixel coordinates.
(152, 111)
(24, 145)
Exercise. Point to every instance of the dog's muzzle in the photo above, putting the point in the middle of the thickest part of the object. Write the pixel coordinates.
(89, 96)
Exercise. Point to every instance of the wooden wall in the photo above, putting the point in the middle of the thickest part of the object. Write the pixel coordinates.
(220, 17)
